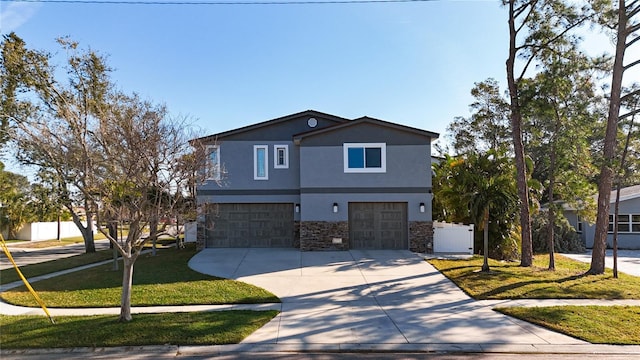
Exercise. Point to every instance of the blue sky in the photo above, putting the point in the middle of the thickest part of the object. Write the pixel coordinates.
(227, 66)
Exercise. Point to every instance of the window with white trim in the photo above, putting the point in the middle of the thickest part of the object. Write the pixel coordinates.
(213, 163)
(261, 162)
(626, 223)
(365, 157)
(635, 223)
(280, 156)
(579, 224)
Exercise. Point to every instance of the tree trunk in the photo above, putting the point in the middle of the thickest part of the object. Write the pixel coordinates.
(615, 232)
(606, 173)
(113, 232)
(153, 231)
(518, 146)
(127, 282)
(623, 172)
(552, 214)
(87, 235)
(550, 240)
(89, 244)
(485, 231)
(59, 234)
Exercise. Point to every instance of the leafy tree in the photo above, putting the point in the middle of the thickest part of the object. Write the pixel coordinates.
(16, 208)
(18, 72)
(488, 126)
(52, 119)
(120, 156)
(560, 115)
(627, 27)
(533, 26)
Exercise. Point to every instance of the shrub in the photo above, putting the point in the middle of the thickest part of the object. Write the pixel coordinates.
(566, 240)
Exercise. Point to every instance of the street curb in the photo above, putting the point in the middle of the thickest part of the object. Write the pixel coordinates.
(213, 350)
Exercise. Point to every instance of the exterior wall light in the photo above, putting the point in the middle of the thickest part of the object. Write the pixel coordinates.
(335, 207)
(297, 207)
(422, 207)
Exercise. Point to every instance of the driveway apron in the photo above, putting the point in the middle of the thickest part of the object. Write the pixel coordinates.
(366, 297)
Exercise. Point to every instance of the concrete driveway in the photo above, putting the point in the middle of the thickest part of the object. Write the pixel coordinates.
(628, 260)
(367, 297)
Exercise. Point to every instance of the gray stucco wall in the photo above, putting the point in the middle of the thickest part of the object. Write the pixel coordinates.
(407, 166)
(319, 207)
(366, 132)
(236, 158)
(284, 130)
(625, 240)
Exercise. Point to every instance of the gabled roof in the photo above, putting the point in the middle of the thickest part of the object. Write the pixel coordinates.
(271, 122)
(627, 193)
(365, 119)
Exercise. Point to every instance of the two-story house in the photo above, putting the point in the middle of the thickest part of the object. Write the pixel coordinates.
(316, 181)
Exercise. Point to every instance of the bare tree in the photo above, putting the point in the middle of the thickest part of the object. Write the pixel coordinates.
(149, 160)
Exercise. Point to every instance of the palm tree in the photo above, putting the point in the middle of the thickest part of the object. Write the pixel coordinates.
(480, 189)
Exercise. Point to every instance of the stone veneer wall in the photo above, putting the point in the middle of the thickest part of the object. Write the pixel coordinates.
(204, 221)
(296, 234)
(421, 236)
(200, 234)
(319, 235)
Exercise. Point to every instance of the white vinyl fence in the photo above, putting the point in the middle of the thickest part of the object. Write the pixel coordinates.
(452, 238)
(48, 231)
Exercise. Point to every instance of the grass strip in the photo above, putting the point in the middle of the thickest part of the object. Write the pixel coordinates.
(41, 244)
(10, 275)
(596, 324)
(202, 328)
(164, 279)
(508, 280)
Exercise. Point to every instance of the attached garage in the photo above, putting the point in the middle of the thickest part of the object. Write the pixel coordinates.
(374, 225)
(250, 225)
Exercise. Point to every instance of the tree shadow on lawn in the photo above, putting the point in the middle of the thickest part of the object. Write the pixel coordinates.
(507, 281)
(579, 286)
(158, 280)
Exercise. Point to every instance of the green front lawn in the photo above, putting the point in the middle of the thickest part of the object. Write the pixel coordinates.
(508, 280)
(10, 275)
(595, 324)
(203, 328)
(164, 279)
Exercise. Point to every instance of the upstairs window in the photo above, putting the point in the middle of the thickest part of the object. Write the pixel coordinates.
(365, 157)
(213, 163)
(281, 156)
(260, 161)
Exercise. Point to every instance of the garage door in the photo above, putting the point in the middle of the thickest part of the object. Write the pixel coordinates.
(378, 225)
(250, 225)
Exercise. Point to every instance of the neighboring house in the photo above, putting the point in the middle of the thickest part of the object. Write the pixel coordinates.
(628, 220)
(316, 181)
